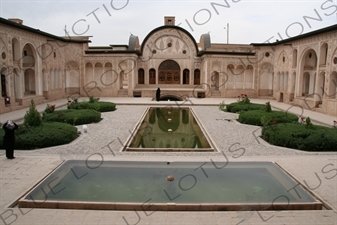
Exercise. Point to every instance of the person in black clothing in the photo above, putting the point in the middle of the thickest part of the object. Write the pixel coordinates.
(158, 94)
(9, 138)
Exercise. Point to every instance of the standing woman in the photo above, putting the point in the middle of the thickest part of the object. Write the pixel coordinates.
(9, 138)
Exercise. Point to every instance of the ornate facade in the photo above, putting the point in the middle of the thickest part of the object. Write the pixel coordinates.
(301, 70)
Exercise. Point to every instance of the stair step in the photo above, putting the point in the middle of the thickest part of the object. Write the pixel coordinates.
(122, 93)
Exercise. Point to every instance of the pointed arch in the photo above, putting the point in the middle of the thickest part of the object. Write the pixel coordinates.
(28, 58)
(308, 70)
(15, 50)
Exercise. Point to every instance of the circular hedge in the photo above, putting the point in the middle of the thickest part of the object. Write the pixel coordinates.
(254, 117)
(298, 136)
(45, 135)
(98, 106)
(73, 116)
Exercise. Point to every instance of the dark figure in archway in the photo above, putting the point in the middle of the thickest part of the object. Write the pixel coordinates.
(158, 94)
(9, 138)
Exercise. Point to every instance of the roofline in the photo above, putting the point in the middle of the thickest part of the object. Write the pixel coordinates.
(225, 53)
(309, 34)
(172, 27)
(110, 51)
(201, 53)
(37, 31)
(121, 45)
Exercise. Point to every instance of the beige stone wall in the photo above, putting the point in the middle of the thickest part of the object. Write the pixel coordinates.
(35, 67)
(296, 72)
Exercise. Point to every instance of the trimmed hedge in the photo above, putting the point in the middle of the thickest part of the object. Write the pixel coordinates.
(297, 136)
(73, 116)
(98, 106)
(45, 135)
(254, 117)
(241, 106)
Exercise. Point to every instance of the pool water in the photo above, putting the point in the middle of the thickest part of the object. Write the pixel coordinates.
(254, 184)
(169, 129)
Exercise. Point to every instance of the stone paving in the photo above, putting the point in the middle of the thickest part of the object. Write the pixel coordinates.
(234, 141)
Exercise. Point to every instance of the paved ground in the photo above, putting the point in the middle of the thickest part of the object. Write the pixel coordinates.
(235, 142)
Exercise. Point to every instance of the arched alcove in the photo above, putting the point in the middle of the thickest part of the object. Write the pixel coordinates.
(72, 77)
(169, 72)
(29, 78)
(323, 54)
(196, 77)
(186, 76)
(266, 80)
(152, 76)
(308, 72)
(141, 76)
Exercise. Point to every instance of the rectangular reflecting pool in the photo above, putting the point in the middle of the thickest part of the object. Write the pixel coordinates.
(181, 186)
(169, 129)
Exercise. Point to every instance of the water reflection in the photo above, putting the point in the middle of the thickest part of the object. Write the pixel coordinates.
(169, 127)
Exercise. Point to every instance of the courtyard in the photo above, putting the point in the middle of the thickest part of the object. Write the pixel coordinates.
(104, 141)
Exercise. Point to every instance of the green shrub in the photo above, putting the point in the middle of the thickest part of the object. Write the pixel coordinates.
(308, 123)
(222, 106)
(49, 109)
(297, 136)
(245, 100)
(268, 107)
(107, 106)
(247, 107)
(32, 117)
(74, 116)
(45, 135)
(98, 106)
(240, 106)
(230, 106)
(92, 99)
(254, 117)
(265, 121)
